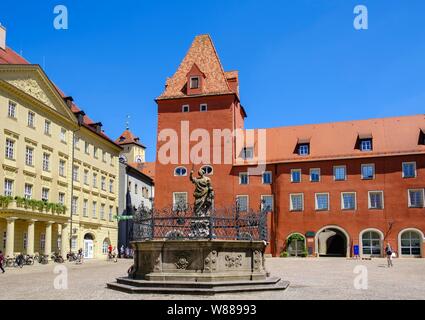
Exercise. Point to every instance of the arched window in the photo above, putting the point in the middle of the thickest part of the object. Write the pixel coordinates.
(208, 170)
(411, 244)
(371, 243)
(296, 245)
(180, 172)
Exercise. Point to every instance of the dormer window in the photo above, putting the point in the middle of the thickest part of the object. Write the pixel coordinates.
(366, 145)
(304, 149)
(194, 82)
(247, 153)
(185, 108)
(204, 108)
(421, 137)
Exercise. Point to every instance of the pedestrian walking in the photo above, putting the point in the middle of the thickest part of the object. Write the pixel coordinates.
(389, 252)
(1, 261)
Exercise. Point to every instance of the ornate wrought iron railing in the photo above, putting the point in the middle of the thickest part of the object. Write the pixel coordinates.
(180, 223)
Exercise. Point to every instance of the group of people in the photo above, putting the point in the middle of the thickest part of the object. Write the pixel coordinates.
(126, 253)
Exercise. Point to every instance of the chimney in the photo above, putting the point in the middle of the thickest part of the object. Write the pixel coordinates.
(2, 37)
(68, 100)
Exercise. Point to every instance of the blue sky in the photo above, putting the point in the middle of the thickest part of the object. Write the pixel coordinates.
(299, 61)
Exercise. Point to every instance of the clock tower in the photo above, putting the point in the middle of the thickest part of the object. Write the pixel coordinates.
(133, 150)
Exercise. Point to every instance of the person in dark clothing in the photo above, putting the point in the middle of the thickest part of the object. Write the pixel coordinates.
(1, 261)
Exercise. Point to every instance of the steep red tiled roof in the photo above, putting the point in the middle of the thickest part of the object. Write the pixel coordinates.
(127, 137)
(397, 135)
(202, 53)
(9, 56)
(147, 168)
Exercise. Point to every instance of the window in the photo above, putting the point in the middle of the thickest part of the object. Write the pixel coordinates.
(28, 191)
(208, 170)
(94, 180)
(409, 170)
(62, 165)
(29, 156)
(102, 212)
(297, 202)
(411, 243)
(243, 178)
(185, 108)
(4, 239)
(366, 145)
(8, 188)
(75, 174)
(25, 240)
(136, 188)
(104, 156)
(340, 173)
(94, 210)
(368, 171)
(95, 149)
(303, 149)
(76, 142)
(86, 177)
(42, 241)
(194, 82)
(12, 110)
(314, 175)
(180, 172)
(348, 201)
(376, 200)
(61, 198)
(63, 135)
(85, 208)
(45, 194)
(267, 177)
(296, 175)
(180, 200)
(242, 203)
(105, 247)
(46, 162)
(204, 108)
(247, 153)
(371, 244)
(267, 203)
(111, 210)
(74, 243)
(111, 186)
(47, 127)
(10, 149)
(416, 198)
(103, 183)
(31, 118)
(74, 206)
(86, 147)
(322, 201)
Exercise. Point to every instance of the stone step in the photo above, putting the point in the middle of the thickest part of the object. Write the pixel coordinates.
(197, 288)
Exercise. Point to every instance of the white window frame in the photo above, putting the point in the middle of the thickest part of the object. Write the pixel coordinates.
(62, 168)
(366, 140)
(247, 200)
(74, 206)
(301, 148)
(193, 78)
(102, 211)
(63, 135)
(47, 127)
(320, 175)
(301, 175)
(407, 163)
(342, 201)
(8, 187)
(42, 241)
(29, 156)
(111, 186)
(203, 105)
(184, 107)
(46, 162)
(11, 111)
(10, 149)
(94, 180)
(370, 202)
(111, 213)
(31, 119)
(85, 208)
(267, 196)
(94, 210)
(75, 173)
(45, 192)
(61, 198)
(409, 199)
(247, 153)
(271, 177)
(103, 183)
(177, 175)
(241, 174)
(367, 165)
(291, 207)
(28, 191)
(345, 175)
(316, 202)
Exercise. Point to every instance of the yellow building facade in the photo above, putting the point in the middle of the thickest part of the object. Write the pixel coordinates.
(59, 175)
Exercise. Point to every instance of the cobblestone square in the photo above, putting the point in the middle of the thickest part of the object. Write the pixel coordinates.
(323, 278)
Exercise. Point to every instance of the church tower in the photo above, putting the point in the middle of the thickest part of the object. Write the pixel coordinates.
(200, 96)
(133, 150)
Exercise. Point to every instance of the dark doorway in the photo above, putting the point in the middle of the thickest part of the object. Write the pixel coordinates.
(336, 246)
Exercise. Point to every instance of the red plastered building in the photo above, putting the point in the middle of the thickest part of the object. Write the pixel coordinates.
(334, 189)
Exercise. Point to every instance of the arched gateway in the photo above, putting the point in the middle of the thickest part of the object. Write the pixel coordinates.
(332, 241)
